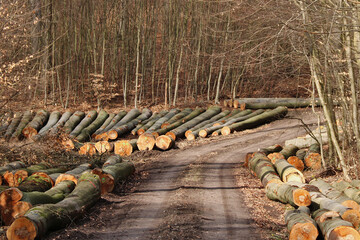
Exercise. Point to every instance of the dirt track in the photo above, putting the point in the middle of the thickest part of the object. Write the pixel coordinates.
(189, 193)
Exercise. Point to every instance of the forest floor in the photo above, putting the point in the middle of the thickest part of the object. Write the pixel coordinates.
(199, 190)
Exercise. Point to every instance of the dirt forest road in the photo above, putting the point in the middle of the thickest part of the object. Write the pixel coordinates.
(189, 193)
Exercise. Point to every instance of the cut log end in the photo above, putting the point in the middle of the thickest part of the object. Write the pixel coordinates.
(21, 229)
(303, 231)
(104, 146)
(123, 148)
(351, 204)
(242, 106)
(214, 134)
(301, 197)
(140, 132)
(102, 137)
(155, 134)
(225, 131)
(187, 133)
(164, 142)
(344, 233)
(64, 177)
(17, 210)
(352, 216)
(106, 181)
(29, 132)
(203, 133)
(165, 125)
(171, 134)
(9, 178)
(146, 141)
(296, 162)
(275, 156)
(45, 177)
(68, 144)
(112, 134)
(313, 161)
(190, 137)
(87, 149)
(20, 176)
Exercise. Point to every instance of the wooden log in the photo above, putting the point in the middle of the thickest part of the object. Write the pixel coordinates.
(312, 158)
(355, 183)
(233, 113)
(104, 146)
(301, 154)
(180, 131)
(273, 103)
(26, 118)
(53, 119)
(160, 121)
(260, 166)
(241, 116)
(112, 160)
(5, 120)
(176, 118)
(155, 116)
(288, 194)
(113, 122)
(64, 118)
(41, 219)
(73, 121)
(73, 174)
(87, 149)
(104, 125)
(287, 172)
(275, 156)
(164, 142)
(300, 224)
(36, 124)
(13, 125)
(86, 132)
(333, 227)
(11, 166)
(349, 190)
(289, 150)
(256, 121)
(150, 123)
(126, 128)
(15, 177)
(146, 141)
(36, 183)
(296, 162)
(271, 149)
(125, 147)
(131, 115)
(86, 121)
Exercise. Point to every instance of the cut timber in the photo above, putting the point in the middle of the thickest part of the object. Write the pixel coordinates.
(87, 149)
(36, 183)
(5, 120)
(92, 127)
(131, 115)
(287, 172)
(125, 147)
(64, 118)
(256, 121)
(271, 149)
(301, 153)
(296, 162)
(261, 166)
(112, 160)
(73, 121)
(164, 142)
(86, 121)
(330, 192)
(26, 118)
(347, 189)
(104, 146)
(114, 121)
(73, 174)
(150, 123)
(312, 158)
(176, 117)
(104, 125)
(272, 103)
(300, 224)
(43, 218)
(36, 124)
(53, 119)
(275, 157)
(146, 141)
(289, 150)
(118, 131)
(287, 193)
(180, 131)
(333, 227)
(13, 125)
(160, 121)
(119, 171)
(228, 103)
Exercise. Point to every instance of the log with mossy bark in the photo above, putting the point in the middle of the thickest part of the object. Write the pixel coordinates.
(98, 134)
(256, 121)
(53, 119)
(312, 157)
(86, 121)
(157, 125)
(13, 125)
(36, 182)
(125, 147)
(146, 141)
(179, 132)
(349, 190)
(287, 172)
(174, 125)
(60, 124)
(25, 119)
(12, 166)
(126, 128)
(36, 124)
(288, 194)
(333, 227)
(21, 174)
(111, 160)
(41, 219)
(131, 115)
(155, 116)
(224, 119)
(110, 175)
(15, 177)
(205, 124)
(104, 125)
(73, 121)
(176, 117)
(104, 146)
(86, 132)
(150, 123)
(300, 224)
(271, 103)
(73, 174)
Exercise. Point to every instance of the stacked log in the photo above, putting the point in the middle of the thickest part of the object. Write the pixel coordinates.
(312, 158)
(176, 117)
(86, 132)
(104, 146)
(300, 224)
(287, 172)
(26, 118)
(260, 166)
(64, 118)
(73, 174)
(146, 141)
(125, 147)
(348, 189)
(98, 135)
(73, 121)
(288, 194)
(150, 123)
(86, 121)
(53, 119)
(36, 124)
(13, 125)
(271, 103)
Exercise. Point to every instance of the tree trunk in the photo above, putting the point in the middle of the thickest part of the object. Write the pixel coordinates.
(286, 193)
(177, 117)
(112, 160)
(26, 118)
(64, 118)
(300, 224)
(287, 172)
(104, 125)
(53, 119)
(12, 166)
(289, 150)
(88, 119)
(73, 121)
(125, 147)
(13, 125)
(150, 123)
(73, 174)
(113, 122)
(36, 124)
(41, 219)
(131, 115)
(271, 149)
(270, 103)
(159, 122)
(260, 166)
(89, 130)
(256, 121)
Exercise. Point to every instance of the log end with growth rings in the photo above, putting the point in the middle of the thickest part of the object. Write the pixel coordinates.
(203, 133)
(164, 142)
(214, 134)
(296, 162)
(301, 197)
(64, 177)
(171, 134)
(22, 229)
(351, 204)
(123, 148)
(107, 182)
(146, 141)
(304, 231)
(275, 156)
(20, 176)
(225, 131)
(87, 149)
(344, 233)
(190, 137)
(112, 134)
(352, 216)
(140, 132)
(29, 132)
(313, 161)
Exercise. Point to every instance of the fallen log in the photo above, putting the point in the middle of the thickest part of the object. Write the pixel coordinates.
(5, 120)
(300, 224)
(287, 172)
(131, 115)
(288, 194)
(86, 132)
(275, 156)
(180, 131)
(73, 174)
(301, 154)
(86, 121)
(312, 158)
(272, 103)
(271, 149)
(176, 117)
(256, 121)
(168, 116)
(36, 182)
(260, 166)
(43, 218)
(104, 146)
(348, 190)
(53, 119)
(21, 174)
(13, 125)
(113, 122)
(146, 141)
(233, 113)
(87, 149)
(73, 121)
(115, 133)
(125, 147)
(164, 142)
(333, 227)
(26, 118)
(64, 118)
(289, 150)
(150, 123)
(104, 125)
(36, 124)
(156, 116)
(296, 162)
(15, 177)
(112, 160)
(12, 166)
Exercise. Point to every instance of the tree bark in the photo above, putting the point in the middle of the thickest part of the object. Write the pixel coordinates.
(112, 160)
(348, 190)
(287, 172)
(36, 124)
(271, 149)
(64, 118)
(300, 224)
(36, 183)
(288, 194)
(177, 117)
(159, 122)
(73, 121)
(150, 123)
(26, 118)
(13, 125)
(113, 122)
(53, 119)
(89, 130)
(86, 121)
(104, 125)
(73, 174)
(289, 150)
(272, 103)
